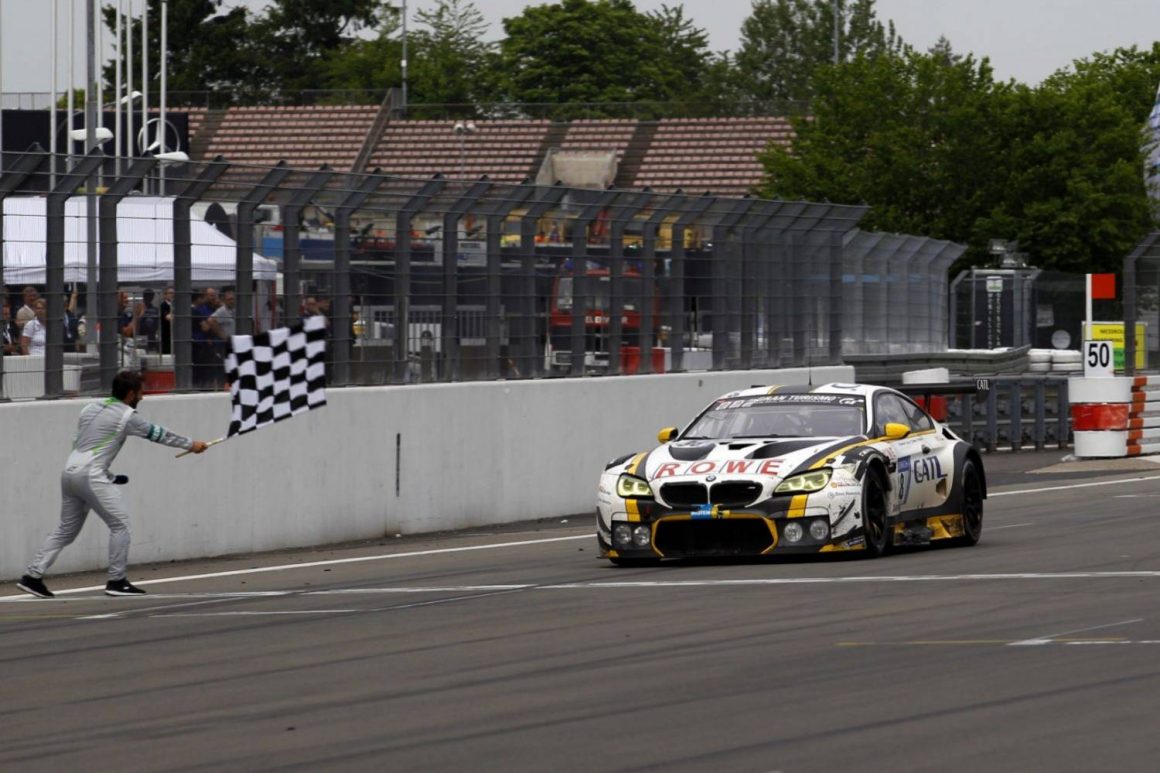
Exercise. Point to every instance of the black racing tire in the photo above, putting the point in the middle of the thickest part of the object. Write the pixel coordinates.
(875, 516)
(631, 562)
(972, 506)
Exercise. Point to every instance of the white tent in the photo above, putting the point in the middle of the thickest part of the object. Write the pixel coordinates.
(145, 244)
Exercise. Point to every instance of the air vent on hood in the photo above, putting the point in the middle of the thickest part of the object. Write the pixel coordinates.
(781, 448)
(690, 453)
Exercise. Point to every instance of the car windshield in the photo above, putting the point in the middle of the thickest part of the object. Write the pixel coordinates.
(807, 415)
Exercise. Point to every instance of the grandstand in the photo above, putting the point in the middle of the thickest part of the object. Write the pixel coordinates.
(304, 137)
(697, 155)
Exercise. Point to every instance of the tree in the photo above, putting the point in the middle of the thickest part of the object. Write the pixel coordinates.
(1074, 197)
(600, 51)
(785, 42)
(937, 147)
(300, 39)
(208, 49)
(685, 60)
(451, 59)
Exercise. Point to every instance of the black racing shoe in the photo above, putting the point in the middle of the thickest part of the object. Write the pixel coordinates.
(35, 586)
(122, 587)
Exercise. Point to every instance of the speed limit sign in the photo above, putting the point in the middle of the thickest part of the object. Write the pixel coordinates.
(1097, 359)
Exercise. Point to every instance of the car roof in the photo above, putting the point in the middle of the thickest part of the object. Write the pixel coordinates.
(833, 388)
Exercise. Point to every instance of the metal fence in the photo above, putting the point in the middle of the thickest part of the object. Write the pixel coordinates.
(1141, 292)
(439, 279)
(1013, 307)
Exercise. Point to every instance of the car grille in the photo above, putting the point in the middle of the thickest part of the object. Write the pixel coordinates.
(741, 493)
(684, 494)
(716, 537)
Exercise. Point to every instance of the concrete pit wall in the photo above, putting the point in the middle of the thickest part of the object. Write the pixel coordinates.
(375, 461)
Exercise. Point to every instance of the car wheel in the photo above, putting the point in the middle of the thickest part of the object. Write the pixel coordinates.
(629, 562)
(972, 499)
(875, 525)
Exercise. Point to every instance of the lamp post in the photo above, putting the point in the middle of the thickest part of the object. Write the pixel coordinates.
(462, 129)
(404, 63)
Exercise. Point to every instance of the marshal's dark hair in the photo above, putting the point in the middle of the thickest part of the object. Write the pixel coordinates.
(126, 382)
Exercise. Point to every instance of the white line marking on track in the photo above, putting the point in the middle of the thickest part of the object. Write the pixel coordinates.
(209, 598)
(1118, 482)
(488, 546)
(1008, 526)
(1041, 640)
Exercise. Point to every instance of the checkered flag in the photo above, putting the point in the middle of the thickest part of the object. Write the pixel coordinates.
(277, 374)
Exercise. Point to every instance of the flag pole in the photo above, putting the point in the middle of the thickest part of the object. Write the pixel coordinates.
(207, 445)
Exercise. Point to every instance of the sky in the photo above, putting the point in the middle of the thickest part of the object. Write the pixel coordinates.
(1025, 39)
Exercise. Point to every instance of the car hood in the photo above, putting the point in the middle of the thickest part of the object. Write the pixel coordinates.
(686, 460)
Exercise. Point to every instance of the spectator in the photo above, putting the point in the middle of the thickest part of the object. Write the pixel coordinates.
(148, 321)
(166, 313)
(9, 331)
(127, 327)
(206, 366)
(310, 307)
(221, 322)
(74, 326)
(324, 310)
(33, 334)
(125, 319)
(26, 312)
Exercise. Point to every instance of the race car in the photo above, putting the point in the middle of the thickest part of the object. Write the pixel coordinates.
(793, 469)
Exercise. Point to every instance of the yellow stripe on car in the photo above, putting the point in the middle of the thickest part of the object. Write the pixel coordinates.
(635, 463)
(633, 511)
(945, 526)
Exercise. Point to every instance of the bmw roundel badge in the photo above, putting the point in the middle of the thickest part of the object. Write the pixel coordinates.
(710, 478)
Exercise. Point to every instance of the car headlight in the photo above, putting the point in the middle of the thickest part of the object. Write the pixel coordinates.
(814, 480)
(632, 486)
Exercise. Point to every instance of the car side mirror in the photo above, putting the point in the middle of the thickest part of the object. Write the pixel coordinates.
(896, 431)
(666, 434)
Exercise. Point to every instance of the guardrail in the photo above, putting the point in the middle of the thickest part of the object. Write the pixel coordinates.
(1014, 412)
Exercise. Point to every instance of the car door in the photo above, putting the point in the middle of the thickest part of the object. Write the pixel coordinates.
(932, 460)
(890, 409)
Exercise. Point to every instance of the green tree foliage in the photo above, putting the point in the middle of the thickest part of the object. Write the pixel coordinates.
(366, 67)
(209, 48)
(600, 51)
(937, 147)
(1074, 196)
(785, 42)
(300, 39)
(449, 58)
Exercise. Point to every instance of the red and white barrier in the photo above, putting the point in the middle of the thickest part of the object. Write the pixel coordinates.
(1100, 413)
(1144, 416)
(1115, 417)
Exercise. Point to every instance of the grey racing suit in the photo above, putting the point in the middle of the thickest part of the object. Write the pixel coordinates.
(86, 484)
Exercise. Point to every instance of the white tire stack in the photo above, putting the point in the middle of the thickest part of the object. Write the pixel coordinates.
(1039, 360)
(1066, 361)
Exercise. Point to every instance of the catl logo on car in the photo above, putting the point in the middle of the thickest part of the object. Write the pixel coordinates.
(928, 469)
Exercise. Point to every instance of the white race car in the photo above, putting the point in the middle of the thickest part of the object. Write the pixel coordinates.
(785, 469)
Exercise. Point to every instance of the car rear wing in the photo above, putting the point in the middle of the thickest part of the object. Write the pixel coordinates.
(979, 386)
(932, 397)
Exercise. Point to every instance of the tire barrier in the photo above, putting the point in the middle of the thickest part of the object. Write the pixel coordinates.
(1115, 417)
(1100, 410)
(1144, 416)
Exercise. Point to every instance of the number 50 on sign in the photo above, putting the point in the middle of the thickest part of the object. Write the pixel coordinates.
(1098, 360)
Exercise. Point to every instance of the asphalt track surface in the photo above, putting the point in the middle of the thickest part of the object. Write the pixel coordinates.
(517, 650)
